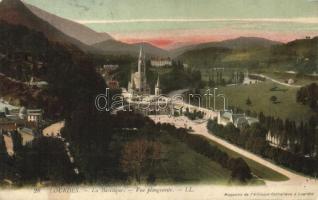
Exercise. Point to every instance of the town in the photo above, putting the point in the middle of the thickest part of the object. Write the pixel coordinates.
(118, 101)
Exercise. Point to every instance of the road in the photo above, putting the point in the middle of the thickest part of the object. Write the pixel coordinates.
(201, 129)
(277, 81)
(54, 130)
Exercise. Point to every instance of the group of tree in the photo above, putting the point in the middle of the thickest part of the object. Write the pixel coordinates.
(308, 95)
(296, 142)
(42, 160)
(194, 115)
(298, 137)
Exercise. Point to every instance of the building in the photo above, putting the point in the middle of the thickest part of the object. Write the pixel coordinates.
(138, 82)
(239, 120)
(110, 67)
(157, 88)
(37, 83)
(34, 115)
(161, 62)
(290, 81)
(249, 81)
(113, 84)
(7, 125)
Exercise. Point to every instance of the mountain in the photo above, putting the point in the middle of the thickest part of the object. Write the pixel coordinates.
(237, 43)
(114, 46)
(70, 28)
(15, 12)
(299, 55)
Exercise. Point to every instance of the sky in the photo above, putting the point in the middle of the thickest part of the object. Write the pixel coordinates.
(169, 23)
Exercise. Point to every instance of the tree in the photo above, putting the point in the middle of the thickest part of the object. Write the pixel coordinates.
(139, 156)
(240, 170)
(273, 99)
(248, 101)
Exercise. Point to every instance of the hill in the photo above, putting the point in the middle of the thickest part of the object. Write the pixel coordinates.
(117, 47)
(70, 28)
(299, 55)
(15, 12)
(26, 53)
(237, 43)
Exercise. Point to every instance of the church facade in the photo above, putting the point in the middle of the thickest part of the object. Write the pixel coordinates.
(138, 82)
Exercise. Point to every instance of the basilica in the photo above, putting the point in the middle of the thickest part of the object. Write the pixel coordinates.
(138, 82)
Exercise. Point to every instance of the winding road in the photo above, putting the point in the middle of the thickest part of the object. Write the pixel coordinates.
(277, 81)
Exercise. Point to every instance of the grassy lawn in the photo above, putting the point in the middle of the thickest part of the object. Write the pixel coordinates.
(182, 164)
(260, 94)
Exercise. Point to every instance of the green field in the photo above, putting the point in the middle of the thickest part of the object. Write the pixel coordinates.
(260, 94)
(181, 164)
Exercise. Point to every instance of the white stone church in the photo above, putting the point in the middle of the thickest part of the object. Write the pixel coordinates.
(138, 82)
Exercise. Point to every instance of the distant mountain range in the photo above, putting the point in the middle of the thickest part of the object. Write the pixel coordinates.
(299, 55)
(116, 47)
(237, 43)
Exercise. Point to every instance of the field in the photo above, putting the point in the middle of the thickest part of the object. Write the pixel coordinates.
(260, 95)
(181, 164)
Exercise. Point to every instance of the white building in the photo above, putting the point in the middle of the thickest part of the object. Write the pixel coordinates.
(161, 62)
(248, 81)
(34, 115)
(239, 120)
(110, 67)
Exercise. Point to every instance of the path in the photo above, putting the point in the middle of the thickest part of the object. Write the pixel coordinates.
(54, 130)
(277, 81)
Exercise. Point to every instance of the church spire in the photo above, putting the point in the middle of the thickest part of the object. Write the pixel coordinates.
(140, 60)
(158, 82)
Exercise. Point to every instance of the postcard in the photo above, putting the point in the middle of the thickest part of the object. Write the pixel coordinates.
(159, 99)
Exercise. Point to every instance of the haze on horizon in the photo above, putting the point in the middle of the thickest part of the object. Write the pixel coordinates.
(168, 23)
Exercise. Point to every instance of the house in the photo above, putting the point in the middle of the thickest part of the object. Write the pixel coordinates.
(7, 124)
(110, 67)
(161, 62)
(290, 81)
(34, 115)
(248, 80)
(277, 142)
(239, 120)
